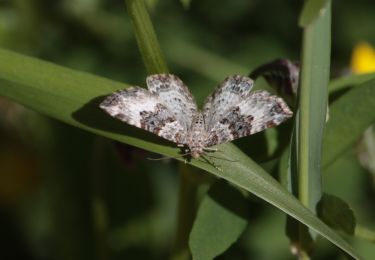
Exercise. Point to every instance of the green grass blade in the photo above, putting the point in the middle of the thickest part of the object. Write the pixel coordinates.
(351, 80)
(312, 9)
(73, 98)
(350, 115)
(146, 37)
(304, 171)
(313, 99)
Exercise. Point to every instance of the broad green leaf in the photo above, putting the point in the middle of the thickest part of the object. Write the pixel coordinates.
(347, 81)
(220, 220)
(336, 213)
(312, 9)
(73, 98)
(350, 115)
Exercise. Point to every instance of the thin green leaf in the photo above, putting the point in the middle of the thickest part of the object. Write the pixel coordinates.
(306, 148)
(146, 37)
(350, 115)
(313, 99)
(220, 221)
(301, 241)
(347, 81)
(312, 9)
(73, 98)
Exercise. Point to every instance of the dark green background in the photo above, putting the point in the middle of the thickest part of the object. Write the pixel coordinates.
(57, 183)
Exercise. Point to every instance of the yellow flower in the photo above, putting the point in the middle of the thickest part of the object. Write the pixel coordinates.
(363, 58)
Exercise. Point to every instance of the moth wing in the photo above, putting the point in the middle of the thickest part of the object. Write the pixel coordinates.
(175, 96)
(227, 95)
(138, 107)
(258, 111)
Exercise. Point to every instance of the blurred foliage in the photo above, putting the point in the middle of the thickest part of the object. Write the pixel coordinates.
(66, 194)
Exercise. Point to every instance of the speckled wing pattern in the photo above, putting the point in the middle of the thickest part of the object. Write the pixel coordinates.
(259, 110)
(168, 110)
(175, 96)
(228, 94)
(138, 107)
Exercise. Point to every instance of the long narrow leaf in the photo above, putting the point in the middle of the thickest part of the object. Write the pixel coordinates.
(306, 149)
(313, 95)
(312, 9)
(350, 80)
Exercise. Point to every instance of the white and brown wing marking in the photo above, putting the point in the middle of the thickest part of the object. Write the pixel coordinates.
(175, 96)
(138, 107)
(228, 94)
(259, 110)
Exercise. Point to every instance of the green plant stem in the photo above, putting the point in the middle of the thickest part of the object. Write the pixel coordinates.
(146, 38)
(70, 192)
(155, 63)
(98, 206)
(187, 208)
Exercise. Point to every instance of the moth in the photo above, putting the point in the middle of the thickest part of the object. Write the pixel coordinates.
(169, 110)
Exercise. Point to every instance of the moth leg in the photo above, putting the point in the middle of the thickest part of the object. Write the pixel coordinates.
(207, 149)
(212, 163)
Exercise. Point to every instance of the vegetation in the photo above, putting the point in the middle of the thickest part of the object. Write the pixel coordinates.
(84, 189)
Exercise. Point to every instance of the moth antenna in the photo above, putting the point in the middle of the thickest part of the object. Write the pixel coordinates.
(168, 157)
(159, 159)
